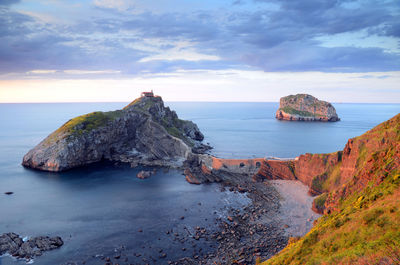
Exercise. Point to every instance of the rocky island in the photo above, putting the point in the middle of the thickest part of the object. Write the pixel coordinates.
(144, 132)
(303, 107)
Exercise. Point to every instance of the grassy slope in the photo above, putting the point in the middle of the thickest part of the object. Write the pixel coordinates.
(293, 111)
(82, 124)
(85, 123)
(366, 228)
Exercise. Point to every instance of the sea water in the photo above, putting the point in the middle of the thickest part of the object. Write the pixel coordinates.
(102, 209)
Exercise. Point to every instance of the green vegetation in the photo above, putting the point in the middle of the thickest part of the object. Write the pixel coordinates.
(318, 181)
(83, 124)
(364, 227)
(293, 111)
(330, 179)
(88, 122)
(173, 126)
(320, 200)
(141, 104)
(363, 230)
(333, 177)
(146, 106)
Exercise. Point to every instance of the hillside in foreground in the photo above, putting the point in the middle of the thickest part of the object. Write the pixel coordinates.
(360, 192)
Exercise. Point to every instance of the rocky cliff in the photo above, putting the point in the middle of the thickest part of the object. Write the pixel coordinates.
(303, 107)
(144, 132)
(359, 189)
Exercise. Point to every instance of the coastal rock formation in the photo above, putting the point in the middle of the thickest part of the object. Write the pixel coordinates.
(303, 107)
(334, 175)
(144, 132)
(14, 245)
(359, 191)
(206, 168)
(143, 174)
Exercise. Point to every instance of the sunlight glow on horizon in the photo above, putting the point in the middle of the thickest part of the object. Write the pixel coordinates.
(210, 85)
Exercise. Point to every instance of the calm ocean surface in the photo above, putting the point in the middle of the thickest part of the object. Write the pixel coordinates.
(98, 209)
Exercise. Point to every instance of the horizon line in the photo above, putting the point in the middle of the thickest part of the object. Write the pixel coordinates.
(183, 101)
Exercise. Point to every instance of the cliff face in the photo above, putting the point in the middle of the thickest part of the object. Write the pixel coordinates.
(367, 160)
(303, 107)
(144, 132)
(339, 174)
(364, 161)
(313, 170)
(359, 188)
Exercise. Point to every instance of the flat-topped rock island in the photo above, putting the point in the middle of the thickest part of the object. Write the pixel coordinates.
(304, 107)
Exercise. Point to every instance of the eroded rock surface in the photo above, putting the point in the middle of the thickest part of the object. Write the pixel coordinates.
(303, 107)
(13, 244)
(144, 132)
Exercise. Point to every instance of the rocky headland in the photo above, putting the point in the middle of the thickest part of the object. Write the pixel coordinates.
(144, 132)
(303, 107)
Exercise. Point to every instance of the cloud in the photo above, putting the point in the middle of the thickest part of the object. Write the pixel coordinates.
(72, 72)
(375, 76)
(8, 2)
(199, 26)
(295, 57)
(13, 23)
(183, 51)
(40, 72)
(86, 72)
(393, 29)
(180, 55)
(273, 35)
(120, 5)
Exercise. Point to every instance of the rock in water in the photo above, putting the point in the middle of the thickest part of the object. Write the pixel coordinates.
(143, 174)
(303, 107)
(13, 244)
(144, 132)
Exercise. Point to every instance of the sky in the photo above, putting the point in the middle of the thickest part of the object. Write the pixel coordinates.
(187, 50)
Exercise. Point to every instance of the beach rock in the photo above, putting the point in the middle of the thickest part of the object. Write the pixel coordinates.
(303, 107)
(144, 132)
(13, 244)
